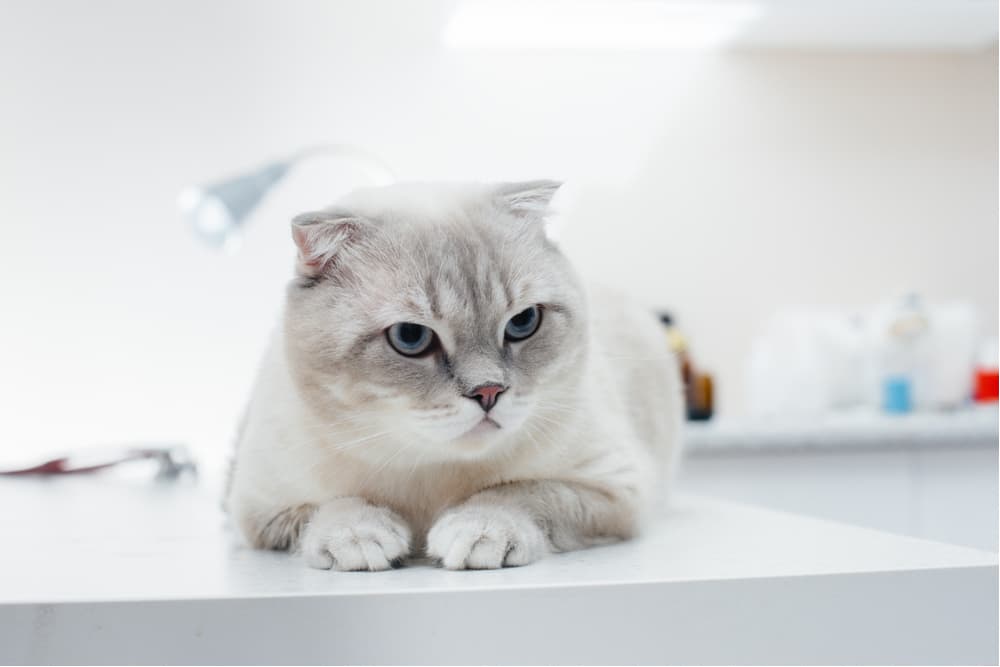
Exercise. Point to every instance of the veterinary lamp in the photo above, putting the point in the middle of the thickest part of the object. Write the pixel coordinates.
(217, 212)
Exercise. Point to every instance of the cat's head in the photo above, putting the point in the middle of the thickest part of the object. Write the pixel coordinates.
(440, 315)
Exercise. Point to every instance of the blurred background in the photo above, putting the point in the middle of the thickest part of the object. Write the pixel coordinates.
(808, 190)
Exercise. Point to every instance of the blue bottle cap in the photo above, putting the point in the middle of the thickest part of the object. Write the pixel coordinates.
(897, 395)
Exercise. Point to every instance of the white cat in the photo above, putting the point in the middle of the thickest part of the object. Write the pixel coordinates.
(443, 385)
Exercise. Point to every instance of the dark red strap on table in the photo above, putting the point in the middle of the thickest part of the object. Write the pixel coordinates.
(57, 467)
(64, 464)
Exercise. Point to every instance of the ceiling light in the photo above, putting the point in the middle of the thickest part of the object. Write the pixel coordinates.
(562, 24)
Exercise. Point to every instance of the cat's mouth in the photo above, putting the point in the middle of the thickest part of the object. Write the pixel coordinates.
(486, 425)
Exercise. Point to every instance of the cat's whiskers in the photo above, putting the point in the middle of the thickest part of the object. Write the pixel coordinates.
(347, 420)
(552, 408)
(450, 412)
(416, 464)
(320, 454)
(358, 442)
(560, 443)
(336, 432)
(571, 403)
(571, 409)
(550, 420)
(629, 358)
(531, 429)
(319, 434)
(385, 463)
(526, 429)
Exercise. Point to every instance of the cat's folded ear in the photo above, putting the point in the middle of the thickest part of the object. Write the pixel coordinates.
(322, 236)
(528, 198)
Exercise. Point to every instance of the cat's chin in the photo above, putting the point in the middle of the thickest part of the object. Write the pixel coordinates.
(480, 437)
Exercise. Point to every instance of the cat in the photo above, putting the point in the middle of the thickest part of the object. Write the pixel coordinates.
(443, 385)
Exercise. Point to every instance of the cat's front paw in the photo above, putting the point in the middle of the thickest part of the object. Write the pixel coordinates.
(483, 537)
(352, 534)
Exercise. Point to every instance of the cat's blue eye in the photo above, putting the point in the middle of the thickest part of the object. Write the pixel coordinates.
(410, 339)
(524, 324)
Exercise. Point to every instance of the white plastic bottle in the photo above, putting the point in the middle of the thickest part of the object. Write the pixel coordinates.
(900, 363)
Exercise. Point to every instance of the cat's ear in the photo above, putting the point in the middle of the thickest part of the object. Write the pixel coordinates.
(529, 198)
(323, 235)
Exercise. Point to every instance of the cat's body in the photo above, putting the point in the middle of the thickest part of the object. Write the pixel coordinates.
(485, 450)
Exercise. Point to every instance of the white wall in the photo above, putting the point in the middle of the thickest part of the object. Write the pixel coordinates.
(721, 186)
(795, 179)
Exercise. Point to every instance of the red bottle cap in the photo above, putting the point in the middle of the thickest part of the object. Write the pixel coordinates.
(987, 385)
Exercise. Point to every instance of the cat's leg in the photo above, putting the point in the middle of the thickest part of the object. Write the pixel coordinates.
(280, 530)
(352, 534)
(343, 534)
(519, 522)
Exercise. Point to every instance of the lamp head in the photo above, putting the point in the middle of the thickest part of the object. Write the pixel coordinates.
(217, 212)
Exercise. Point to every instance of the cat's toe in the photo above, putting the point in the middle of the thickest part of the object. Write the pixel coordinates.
(488, 553)
(355, 548)
(484, 538)
(317, 557)
(371, 539)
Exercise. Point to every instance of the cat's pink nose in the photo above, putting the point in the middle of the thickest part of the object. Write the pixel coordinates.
(487, 395)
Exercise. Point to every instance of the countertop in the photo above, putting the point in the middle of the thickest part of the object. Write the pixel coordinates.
(107, 569)
(976, 426)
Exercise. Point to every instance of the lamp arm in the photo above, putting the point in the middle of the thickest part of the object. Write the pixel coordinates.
(374, 167)
(217, 211)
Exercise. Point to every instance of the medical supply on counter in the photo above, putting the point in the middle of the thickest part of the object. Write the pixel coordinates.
(987, 377)
(899, 356)
(172, 460)
(698, 386)
(897, 394)
(700, 398)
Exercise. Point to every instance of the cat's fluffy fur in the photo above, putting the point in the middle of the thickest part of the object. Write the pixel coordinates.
(359, 456)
